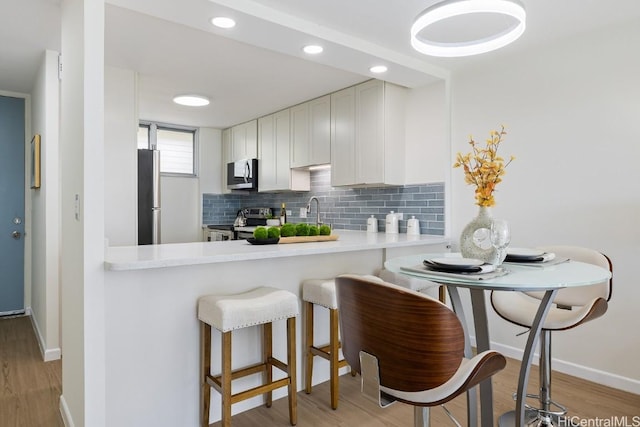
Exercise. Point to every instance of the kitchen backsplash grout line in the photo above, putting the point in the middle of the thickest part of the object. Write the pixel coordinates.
(343, 208)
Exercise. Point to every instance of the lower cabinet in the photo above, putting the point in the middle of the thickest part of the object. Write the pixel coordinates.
(274, 165)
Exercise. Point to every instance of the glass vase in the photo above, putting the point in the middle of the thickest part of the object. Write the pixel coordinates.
(475, 239)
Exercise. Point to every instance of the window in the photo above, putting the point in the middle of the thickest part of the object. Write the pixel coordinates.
(177, 146)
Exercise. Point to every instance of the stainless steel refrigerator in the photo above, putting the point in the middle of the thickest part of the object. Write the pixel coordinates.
(149, 212)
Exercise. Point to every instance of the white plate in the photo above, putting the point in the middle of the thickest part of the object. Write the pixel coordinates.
(524, 252)
(458, 262)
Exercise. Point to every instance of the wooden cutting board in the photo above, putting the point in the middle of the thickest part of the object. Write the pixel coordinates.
(306, 239)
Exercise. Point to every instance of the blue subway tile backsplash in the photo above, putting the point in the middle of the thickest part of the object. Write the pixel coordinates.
(343, 208)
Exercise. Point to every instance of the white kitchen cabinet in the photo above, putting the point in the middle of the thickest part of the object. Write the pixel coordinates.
(311, 133)
(343, 137)
(226, 158)
(274, 165)
(367, 134)
(244, 141)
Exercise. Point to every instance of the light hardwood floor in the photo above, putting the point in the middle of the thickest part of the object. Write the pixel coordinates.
(586, 400)
(29, 388)
(30, 391)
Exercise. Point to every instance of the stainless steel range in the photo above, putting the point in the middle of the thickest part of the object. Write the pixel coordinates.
(217, 233)
(248, 219)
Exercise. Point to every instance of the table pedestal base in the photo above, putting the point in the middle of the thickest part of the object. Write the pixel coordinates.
(508, 419)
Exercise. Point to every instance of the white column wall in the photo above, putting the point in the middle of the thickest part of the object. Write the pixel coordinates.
(572, 112)
(120, 156)
(82, 213)
(45, 210)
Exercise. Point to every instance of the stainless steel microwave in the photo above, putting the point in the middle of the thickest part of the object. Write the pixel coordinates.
(242, 175)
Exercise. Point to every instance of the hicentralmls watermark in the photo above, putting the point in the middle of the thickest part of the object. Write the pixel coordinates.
(614, 421)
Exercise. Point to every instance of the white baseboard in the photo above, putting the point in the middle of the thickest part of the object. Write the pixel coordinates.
(47, 354)
(65, 413)
(594, 375)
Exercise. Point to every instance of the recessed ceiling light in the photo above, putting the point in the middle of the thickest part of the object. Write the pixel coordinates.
(447, 9)
(312, 49)
(223, 22)
(378, 69)
(191, 100)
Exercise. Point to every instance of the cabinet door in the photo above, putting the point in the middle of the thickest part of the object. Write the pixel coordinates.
(251, 140)
(226, 157)
(320, 131)
(244, 141)
(282, 136)
(300, 155)
(370, 122)
(273, 145)
(343, 137)
(266, 154)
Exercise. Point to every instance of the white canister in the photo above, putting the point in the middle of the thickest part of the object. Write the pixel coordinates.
(372, 224)
(413, 226)
(391, 223)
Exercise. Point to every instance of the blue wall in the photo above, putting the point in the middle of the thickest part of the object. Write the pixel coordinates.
(343, 208)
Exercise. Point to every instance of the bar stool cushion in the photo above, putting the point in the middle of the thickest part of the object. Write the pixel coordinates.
(255, 307)
(323, 291)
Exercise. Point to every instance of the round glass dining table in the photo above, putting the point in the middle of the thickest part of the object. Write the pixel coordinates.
(513, 277)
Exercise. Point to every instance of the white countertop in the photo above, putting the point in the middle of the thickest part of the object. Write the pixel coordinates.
(181, 254)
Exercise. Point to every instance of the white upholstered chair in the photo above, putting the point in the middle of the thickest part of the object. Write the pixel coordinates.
(572, 307)
(408, 346)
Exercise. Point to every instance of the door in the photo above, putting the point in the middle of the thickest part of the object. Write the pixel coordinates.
(12, 140)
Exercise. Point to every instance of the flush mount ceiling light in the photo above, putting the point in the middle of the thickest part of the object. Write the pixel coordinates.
(377, 69)
(223, 22)
(447, 9)
(191, 100)
(312, 49)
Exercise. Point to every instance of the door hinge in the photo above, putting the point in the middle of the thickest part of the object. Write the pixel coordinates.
(60, 67)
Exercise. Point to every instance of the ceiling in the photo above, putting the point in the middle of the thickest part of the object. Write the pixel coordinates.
(258, 67)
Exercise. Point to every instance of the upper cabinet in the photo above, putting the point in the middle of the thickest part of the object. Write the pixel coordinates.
(226, 157)
(367, 134)
(274, 170)
(244, 141)
(311, 133)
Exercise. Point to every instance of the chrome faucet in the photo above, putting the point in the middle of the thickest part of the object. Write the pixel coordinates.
(317, 209)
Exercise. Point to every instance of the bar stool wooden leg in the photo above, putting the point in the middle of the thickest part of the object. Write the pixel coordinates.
(205, 370)
(225, 379)
(308, 310)
(267, 353)
(291, 370)
(334, 345)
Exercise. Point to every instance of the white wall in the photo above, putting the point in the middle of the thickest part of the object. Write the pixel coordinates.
(45, 210)
(181, 218)
(82, 213)
(181, 197)
(572, 110)
(120, 156)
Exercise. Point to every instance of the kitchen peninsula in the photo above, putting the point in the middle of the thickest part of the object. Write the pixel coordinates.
(151, 330)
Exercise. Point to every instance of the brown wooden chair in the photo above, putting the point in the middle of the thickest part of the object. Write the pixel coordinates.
(407, 346)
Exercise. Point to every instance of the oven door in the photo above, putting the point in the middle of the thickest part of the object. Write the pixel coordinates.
(218, 235)
(243, 235)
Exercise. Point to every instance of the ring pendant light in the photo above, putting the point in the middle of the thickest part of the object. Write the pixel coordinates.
(452, 8)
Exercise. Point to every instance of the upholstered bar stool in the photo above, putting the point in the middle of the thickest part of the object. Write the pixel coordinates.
(322, 292)
(226, 313)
